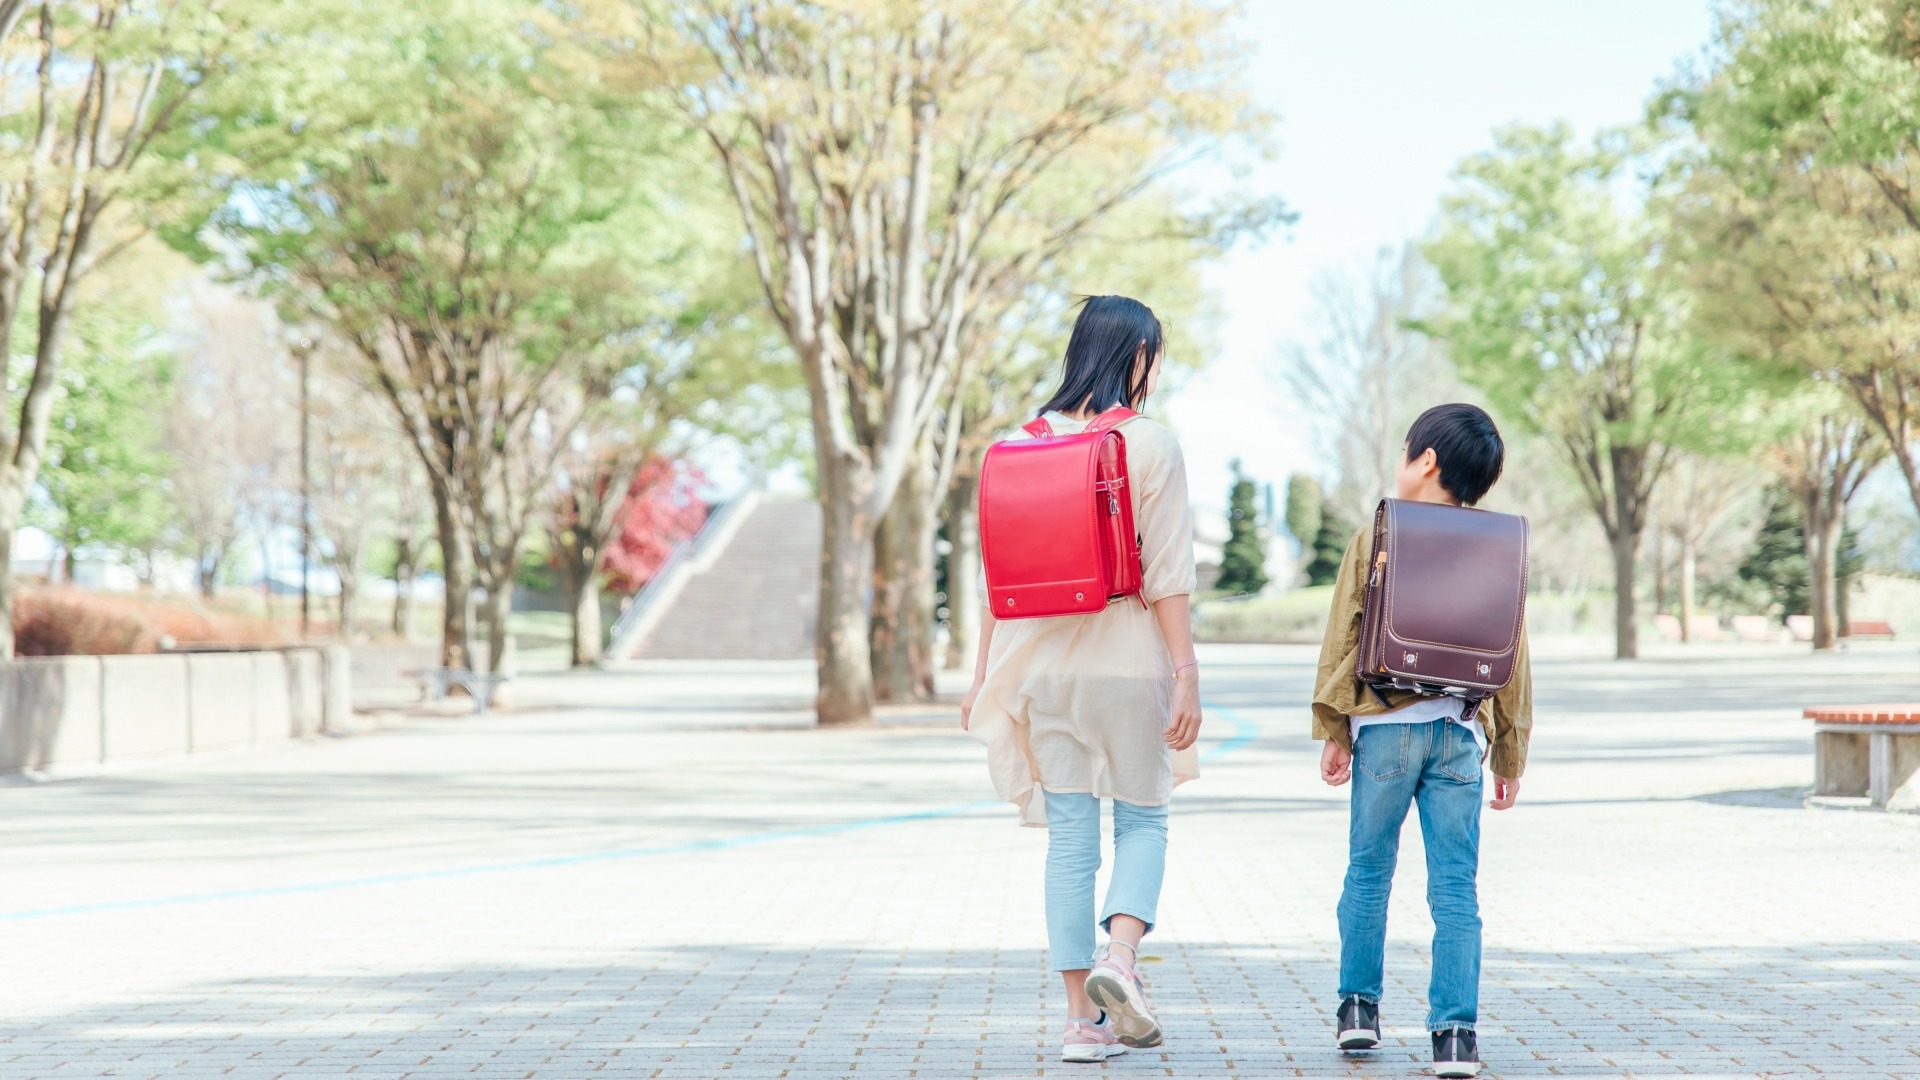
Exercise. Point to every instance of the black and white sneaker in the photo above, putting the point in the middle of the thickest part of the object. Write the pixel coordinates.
(1359, 1024)
(1455, 1053)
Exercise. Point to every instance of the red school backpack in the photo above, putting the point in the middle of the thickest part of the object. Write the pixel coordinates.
(1056, 521)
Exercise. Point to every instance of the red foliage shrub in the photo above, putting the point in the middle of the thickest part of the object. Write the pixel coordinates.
(74, 622)
(662, 510)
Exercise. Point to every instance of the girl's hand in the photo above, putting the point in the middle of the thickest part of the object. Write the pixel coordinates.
(1185, 727)
(1336, 764)
(966, 704)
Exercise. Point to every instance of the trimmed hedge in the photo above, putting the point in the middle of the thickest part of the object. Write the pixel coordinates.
(75, 622)
(1295, 617)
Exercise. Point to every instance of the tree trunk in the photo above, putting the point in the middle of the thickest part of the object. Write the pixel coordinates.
(1660, 573)
(903, 595)
(1842, 589)
(457, 564)
(499, 603)
(1822, 538)
(963, 570)
(266, 573)
(403, 571)
(1626, 628)
(846, 576)
(583, 589)
(10, 506)
(349, 593)
(1688, 563)
(1628, 464)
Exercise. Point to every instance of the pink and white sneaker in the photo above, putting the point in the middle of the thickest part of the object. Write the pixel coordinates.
(1114, 987)
(1088, 1041)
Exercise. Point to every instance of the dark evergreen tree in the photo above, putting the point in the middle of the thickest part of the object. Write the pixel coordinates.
(1329, 546)
(1243, 561)
(1777, 566)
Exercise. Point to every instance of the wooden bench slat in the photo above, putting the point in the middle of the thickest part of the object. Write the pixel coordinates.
(1864, 714)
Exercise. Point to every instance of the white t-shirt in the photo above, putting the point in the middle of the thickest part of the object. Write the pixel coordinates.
(1421, 711)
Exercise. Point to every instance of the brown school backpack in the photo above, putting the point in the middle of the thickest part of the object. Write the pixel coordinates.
(1446, 598)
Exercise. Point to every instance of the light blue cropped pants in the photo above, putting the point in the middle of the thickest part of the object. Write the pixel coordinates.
(1073, 857)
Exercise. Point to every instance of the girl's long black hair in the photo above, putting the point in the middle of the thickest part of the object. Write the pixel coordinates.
(1099, 371)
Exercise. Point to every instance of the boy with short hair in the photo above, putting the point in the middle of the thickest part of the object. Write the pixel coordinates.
(1415, 750)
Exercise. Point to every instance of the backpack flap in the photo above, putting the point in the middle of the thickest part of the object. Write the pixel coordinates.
(1041, 542)
(1056, 521)
(1446, 598)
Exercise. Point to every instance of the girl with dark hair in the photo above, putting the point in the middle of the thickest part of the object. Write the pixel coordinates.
(1080, 708)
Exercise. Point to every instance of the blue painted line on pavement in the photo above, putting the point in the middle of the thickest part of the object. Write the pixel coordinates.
(1244, 732)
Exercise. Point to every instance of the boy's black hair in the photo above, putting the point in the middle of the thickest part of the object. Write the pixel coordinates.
(1099, 371)
(1467, 445)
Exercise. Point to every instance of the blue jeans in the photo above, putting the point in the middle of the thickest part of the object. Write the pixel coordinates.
(1436, 765)
(1073, 856)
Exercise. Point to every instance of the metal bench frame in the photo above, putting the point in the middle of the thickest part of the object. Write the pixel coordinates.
(479, 685)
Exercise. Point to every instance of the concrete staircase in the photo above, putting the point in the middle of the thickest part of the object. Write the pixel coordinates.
(754, 598)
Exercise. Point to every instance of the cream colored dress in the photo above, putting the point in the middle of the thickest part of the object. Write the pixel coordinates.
(1080, 702)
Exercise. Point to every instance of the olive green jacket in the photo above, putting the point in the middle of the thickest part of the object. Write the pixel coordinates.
(1507, 717)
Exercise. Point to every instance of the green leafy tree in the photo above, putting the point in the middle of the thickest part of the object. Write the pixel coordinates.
(887, 161)
(1808, 208)
(446, 185)
(104, 483)
(1563, 310)
(1243, 560)
(93, 146)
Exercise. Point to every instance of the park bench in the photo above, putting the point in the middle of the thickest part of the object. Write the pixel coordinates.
(1699, 628)
(479, 685)
(1863, 629)
(1756, 628)
(1704, 628)
(1870, 750)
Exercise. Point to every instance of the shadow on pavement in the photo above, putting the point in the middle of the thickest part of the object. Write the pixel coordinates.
(750, 1010)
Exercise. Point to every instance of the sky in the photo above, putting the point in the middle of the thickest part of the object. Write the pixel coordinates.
(1378, 101)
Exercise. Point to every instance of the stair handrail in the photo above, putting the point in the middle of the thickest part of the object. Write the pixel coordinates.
(692, 555)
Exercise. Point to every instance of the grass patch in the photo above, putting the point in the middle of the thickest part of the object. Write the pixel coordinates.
(1299, 615)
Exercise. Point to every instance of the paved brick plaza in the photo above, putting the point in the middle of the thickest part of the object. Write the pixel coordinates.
(663, 874)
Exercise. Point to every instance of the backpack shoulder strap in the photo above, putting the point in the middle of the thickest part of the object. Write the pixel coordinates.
(1106, 421)
(1112, 418)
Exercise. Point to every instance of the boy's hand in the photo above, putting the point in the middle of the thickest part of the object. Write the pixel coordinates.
(1505, 793)
(1184, 727)
(1336, 764)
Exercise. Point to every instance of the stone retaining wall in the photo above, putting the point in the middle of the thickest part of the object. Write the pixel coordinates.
(72, 712)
